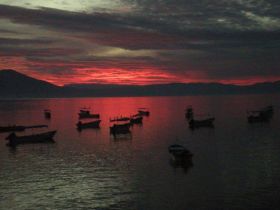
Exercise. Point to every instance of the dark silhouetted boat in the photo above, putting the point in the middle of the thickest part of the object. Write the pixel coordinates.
(47, 114)
(120, 128)
(119, 119)
(84, 113)
(208, 122)
(189, 112)
(179, 151)
(92, 124)
(136, 119)
(268, 109)
(18, 128)
(143, 112)
(262, 115)
(35, 138)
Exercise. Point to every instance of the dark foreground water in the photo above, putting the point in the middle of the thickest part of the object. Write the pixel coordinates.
(235, 165)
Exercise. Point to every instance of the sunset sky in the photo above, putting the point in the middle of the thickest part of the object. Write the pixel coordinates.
(142, 41)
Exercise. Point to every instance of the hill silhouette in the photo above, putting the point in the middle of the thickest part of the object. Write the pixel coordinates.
(17, 85)
(14, 84)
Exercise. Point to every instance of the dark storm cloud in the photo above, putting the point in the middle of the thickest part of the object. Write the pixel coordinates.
(42, 52)
(13, 41)
(139, 32)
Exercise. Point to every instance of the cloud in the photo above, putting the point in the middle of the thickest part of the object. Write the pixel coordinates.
(192, 40)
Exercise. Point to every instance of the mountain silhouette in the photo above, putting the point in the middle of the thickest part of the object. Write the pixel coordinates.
(17, 85)
(14, 85)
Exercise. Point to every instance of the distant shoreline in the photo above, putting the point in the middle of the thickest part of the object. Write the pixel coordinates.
(90, 97)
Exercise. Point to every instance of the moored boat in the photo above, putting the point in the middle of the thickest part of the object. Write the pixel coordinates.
(208, 122)
(47, 114)
(91, 124)
(262, 115)
(179, 151)
(268, 109)
(120, 128)
(136, 120)
(84, 113)
(143, 112)
(258, 116)
(34, 138)
(189, 112)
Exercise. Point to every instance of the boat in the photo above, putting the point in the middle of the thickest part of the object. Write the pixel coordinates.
(47, 114)
(258, 116)
(35, 138)
(179, 151)
(18, 128)
(189, 112)
(119, 119)
(262, 115)
(143, 112)
(92, 124)
(208, 122)
(136, 120)
(120, 128)
(84, 113)
(268, 109)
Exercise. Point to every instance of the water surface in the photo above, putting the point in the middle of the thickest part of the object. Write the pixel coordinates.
(235, 165)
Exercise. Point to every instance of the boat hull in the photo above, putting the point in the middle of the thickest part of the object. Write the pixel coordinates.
(93, 124)
(201, 123)
(136, 120)
(179, 152)
(263, 115)
(85, 115)
(36, 138)
(120, 129)
(144, 113)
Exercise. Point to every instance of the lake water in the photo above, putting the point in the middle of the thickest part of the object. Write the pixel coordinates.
(235, 165)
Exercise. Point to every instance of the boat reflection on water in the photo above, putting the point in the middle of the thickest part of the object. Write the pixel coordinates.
(122, 137)
(186, 163)
(120, 129)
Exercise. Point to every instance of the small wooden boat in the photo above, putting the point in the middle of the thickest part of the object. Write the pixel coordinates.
(178, 151)
(35, 138)
(119, 119)
(136, 120)
(120, 128)
(18, 128)
(201, 123)
(262, 115)
(258, 116)
(268, 109)
(189, 112)
(92, 124)
(86, 114)
(143, 112)
(47, 114)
